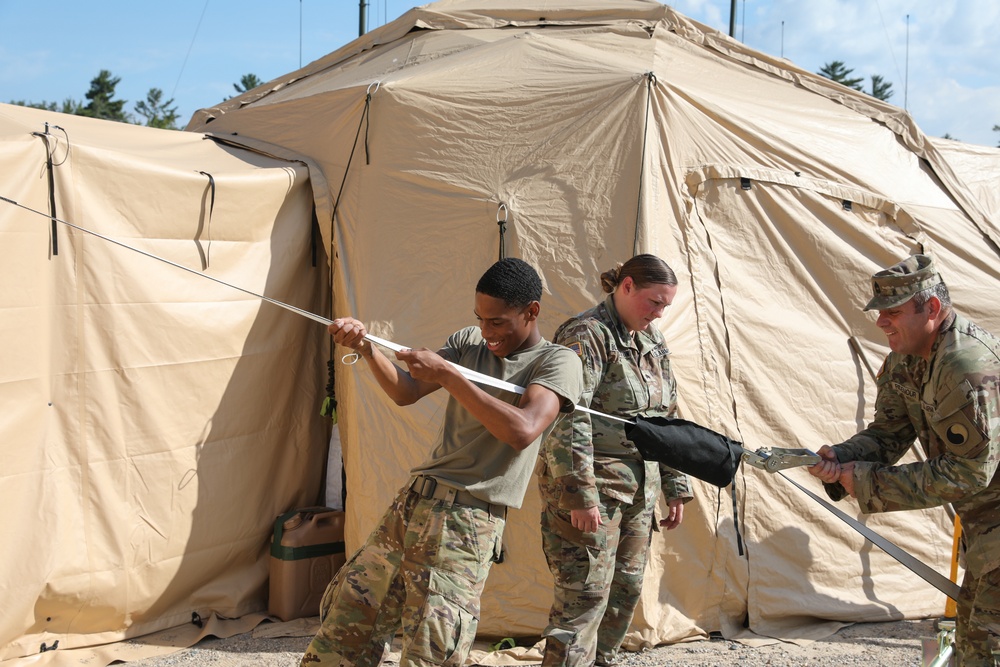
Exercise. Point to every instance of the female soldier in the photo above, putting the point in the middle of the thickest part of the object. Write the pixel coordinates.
(599, 496)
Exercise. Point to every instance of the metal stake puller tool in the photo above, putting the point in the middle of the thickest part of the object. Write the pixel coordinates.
(773, 459)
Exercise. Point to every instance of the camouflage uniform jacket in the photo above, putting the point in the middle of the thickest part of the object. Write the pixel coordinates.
(586, 456)
(951, 403)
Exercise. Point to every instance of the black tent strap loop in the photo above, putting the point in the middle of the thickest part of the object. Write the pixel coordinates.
(350, 158)
(935, 579)
(367, 114)
(50, 170)
(736, 517)
(211, 209)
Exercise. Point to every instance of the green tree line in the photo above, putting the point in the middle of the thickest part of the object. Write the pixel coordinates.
(154, 111)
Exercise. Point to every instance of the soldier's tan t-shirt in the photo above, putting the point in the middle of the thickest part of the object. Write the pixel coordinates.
(467, 455)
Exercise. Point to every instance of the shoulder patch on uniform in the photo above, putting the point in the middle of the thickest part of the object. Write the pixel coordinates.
(577, 347)
(957, 434)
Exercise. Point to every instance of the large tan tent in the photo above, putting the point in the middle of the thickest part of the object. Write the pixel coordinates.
(596, 129)
(590, 130)
(978, 167)
(155, 422)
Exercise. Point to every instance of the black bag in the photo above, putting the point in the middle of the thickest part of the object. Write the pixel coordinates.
(687, 447)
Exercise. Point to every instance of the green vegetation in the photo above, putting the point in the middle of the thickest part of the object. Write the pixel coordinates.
(101, 103)
(837, 71)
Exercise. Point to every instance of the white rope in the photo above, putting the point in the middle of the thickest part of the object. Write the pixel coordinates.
(480, 378)
(468, 373)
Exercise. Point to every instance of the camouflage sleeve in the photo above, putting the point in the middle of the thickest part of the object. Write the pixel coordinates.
(966, 427)
(886, 439)
(570, 448)
(675, 485)
(889, 435)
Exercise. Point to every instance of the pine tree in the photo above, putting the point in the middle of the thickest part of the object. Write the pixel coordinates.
(881, 89)
(101, 95)
(69, 106)
(836, 71)
(157, 112)
(247, 82)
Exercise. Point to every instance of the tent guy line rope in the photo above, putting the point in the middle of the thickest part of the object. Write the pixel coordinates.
(468, 373)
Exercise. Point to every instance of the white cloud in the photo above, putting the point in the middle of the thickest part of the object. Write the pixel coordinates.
(947, 75)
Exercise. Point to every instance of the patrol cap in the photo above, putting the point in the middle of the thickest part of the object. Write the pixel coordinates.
(897, 284)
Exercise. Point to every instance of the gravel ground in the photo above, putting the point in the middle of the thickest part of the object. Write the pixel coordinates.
(872, 644)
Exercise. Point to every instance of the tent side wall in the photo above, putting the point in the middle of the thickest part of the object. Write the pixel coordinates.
(158, 421)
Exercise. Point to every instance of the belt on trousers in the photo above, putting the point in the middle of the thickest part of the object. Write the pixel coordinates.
(428, 487)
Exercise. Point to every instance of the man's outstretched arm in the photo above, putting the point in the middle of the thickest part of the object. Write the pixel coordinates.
(517, 425)
(398, 384)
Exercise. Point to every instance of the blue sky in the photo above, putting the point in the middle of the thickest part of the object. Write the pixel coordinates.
(942, 62)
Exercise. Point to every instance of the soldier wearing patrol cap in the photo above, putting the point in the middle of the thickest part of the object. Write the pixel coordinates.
(939, 384)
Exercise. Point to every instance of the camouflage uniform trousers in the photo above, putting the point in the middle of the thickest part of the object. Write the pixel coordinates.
(423, 569)
(977, 631)
(598, 579)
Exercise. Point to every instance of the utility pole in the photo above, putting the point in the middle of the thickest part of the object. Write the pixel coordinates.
(363, 16)
(732, 19)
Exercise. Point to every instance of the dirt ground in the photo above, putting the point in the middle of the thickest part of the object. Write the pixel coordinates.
(871, 644)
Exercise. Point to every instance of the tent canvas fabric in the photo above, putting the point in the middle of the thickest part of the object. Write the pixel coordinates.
(978, 167)
(598, 129)
(154, 422)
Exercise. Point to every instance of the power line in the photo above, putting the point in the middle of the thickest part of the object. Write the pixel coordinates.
(190, 46)
(887, 39)
(906, 78)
